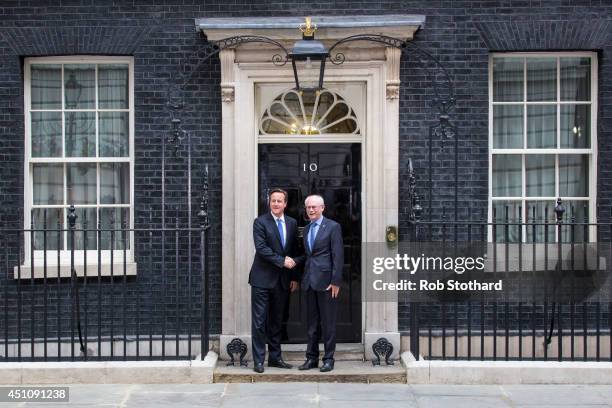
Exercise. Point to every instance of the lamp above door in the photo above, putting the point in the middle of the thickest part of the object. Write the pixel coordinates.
(308, 59)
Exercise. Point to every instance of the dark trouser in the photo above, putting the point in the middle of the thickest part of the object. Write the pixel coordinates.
(322, 310)
(266, 321)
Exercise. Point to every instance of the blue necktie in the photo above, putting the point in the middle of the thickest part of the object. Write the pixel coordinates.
(313, 232)
(279, 224)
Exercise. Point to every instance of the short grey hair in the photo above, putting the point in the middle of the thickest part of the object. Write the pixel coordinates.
(314, 196)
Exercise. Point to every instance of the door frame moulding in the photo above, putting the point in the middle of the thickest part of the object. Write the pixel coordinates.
(380, 180)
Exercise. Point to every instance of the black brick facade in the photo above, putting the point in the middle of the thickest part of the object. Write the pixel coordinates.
(161, 36)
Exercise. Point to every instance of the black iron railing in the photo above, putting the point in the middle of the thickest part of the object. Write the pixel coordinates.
(147, 298)
(104, 293)
(535, 321)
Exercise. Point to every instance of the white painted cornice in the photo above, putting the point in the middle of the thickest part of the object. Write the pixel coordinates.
(329, 28)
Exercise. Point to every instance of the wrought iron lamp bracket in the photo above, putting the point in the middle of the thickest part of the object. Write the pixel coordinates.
(209, 50)
(176, 86)
(443, 101)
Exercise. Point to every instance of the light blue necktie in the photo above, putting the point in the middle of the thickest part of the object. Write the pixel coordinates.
(279, 224)
(313, 234)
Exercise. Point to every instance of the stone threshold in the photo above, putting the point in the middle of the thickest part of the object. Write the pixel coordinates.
(505, 372)
(344, 352)
(344, 372)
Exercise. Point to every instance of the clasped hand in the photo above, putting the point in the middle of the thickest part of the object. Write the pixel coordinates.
(289, 263)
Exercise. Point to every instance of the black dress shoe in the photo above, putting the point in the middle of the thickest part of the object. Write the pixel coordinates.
(308, 364)
(279, 364)
(258, 368)
(327, 366)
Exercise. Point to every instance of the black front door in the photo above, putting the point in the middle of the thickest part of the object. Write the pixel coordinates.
(332, 170)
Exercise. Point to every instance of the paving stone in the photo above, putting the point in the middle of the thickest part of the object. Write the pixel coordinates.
(172, 399)
(367, 392)
(100, 393)
(456, 390)
(61, 405)
(267, 389)
(556, 406)
(553, 394)
(368, 404)
(269, 402)
(603, 390)
(185, 388)
(461, 402)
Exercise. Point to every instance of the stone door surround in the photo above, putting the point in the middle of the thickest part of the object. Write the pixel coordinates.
(242, 69)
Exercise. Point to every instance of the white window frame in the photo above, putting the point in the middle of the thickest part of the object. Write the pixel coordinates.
(65, 254)
(592, 151)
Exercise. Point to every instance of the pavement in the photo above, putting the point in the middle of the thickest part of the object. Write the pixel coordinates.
(336, 395)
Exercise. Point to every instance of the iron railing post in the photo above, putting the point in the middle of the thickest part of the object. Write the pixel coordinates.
(204, 225)
(72, 217)
(559, 210)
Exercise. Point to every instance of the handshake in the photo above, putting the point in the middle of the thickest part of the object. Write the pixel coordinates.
(289, 263)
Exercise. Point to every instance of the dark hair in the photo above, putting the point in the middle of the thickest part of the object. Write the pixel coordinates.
(278, 190)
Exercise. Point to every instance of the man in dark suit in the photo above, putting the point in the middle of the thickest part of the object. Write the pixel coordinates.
(323, 265)
(271, 277)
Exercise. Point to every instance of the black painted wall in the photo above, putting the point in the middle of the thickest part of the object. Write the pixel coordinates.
(161, 36)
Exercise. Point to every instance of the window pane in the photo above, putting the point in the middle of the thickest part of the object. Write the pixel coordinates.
(325, 102)
(574, 175)
(80, 86)
(81, 180)
(575, 212)
(506, 216)
(51, 219)
(540, 213)
(575, 126)
(540, 175)
(46, 134)
(114, 183)
(113, 86)
(507, 79)
(507, 175)
(575, 79)
(541, 126)
(48, 180)
(508, 126)
(541, 79)
(85, 227)
(117, 220)
(113, 130)
(269, 125)
(80, 134)
(46, 86)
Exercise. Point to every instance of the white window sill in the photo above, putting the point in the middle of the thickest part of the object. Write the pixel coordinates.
(25, 271)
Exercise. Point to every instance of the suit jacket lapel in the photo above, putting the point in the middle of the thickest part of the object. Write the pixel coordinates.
(305, 233)
(288, 232)
(275, 229)
(319, 231)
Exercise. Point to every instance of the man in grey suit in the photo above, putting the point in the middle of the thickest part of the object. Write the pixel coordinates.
(323, 264)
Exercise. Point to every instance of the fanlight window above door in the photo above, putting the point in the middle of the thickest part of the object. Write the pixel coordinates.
(308, 113)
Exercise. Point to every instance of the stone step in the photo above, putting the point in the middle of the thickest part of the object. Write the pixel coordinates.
(344, 352)
(344, 372)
